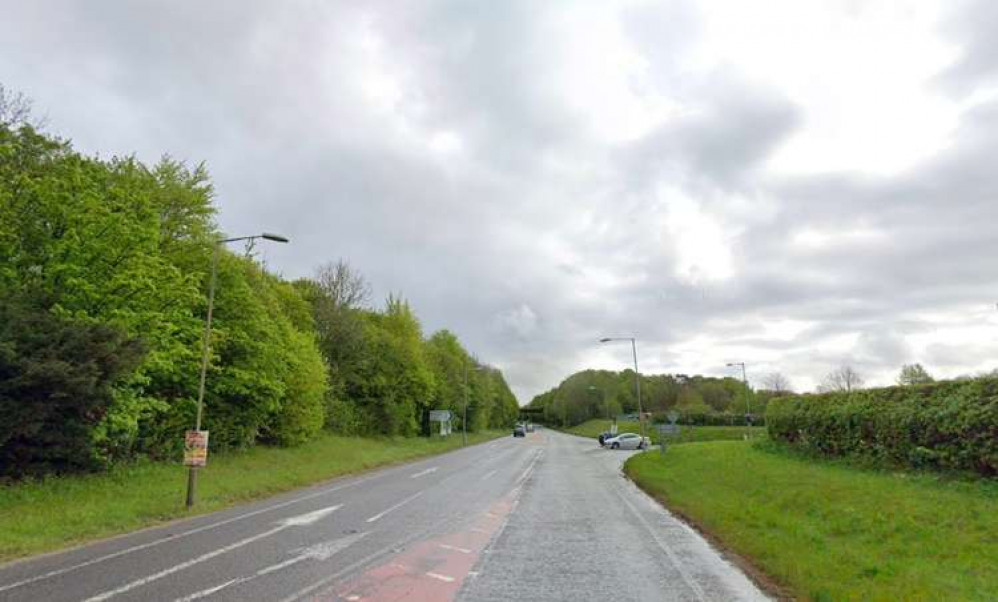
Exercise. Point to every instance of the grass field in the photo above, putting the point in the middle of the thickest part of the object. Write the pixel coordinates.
(46, 515)
(687, 434)
(834, 532)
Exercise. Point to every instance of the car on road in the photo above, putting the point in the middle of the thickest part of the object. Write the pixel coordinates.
(519, 431)
(627, 441)
(604, 436)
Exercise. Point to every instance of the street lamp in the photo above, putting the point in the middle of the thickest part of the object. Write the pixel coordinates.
(192, 475)
(748, 406)
(637, 378)
(464, 421)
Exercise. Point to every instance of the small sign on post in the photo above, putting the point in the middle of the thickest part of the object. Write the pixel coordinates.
(196, 448)
(444, 418)
(667, 430)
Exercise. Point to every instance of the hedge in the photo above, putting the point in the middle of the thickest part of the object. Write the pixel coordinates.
(949, 425)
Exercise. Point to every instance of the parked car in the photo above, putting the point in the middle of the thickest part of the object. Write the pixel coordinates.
(519, 431)
(627, 441)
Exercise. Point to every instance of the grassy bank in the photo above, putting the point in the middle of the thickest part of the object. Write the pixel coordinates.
(830, 531)
(688, 434)
(41, 516)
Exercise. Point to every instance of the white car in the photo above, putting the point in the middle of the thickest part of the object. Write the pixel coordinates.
(627, 441)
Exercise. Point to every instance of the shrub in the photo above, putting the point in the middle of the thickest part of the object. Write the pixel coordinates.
(946, 425)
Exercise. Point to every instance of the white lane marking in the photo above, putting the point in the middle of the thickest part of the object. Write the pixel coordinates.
(455, 548)
(530, 468)
(353, 598)
(488, 474)
(320, 551)
(395, 507)
(446, 578)
(305, 519)
(425, 472)
(665, 547)
(169, 538)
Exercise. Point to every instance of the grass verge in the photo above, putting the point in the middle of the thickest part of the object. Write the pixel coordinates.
(46, 515)
(687, 434)
(830, 531)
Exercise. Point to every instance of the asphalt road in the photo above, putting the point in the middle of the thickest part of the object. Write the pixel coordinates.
(548, 517)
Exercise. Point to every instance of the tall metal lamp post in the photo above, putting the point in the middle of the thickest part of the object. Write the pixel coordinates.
(748, 403)
(192, 475)
(637, 377)
(464, 421)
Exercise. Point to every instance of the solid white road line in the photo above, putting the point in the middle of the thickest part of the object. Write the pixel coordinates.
(425, 472)
(305, 519)
(321, 551)
(395, 507)
(488, 474)
(665, 547)
(172, 537)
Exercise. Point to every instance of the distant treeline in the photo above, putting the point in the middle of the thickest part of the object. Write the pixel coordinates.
(103, 278)
(698, 399)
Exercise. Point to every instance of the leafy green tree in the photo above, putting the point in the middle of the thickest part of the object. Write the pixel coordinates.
(914, 374)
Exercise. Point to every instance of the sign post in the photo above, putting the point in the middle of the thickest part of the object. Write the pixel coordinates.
(671, 429)
(444, 418)
(195, 457)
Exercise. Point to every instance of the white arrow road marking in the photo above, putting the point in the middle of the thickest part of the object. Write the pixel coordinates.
(394, 508)
(320, 551)
(425, 472)
(295, 521)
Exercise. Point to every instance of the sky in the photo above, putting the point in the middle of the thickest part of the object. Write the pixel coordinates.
(795, 184)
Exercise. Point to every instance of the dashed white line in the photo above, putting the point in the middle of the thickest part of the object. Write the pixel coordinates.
(455, 548)
(488, 474)
(425, 472)
(446, 578)
(395, 507)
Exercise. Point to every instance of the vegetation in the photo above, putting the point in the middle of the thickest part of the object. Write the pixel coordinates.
(833, 532)
(47, 514)
(687, 434)
(698, 399)
(103, 276)
(945, 425)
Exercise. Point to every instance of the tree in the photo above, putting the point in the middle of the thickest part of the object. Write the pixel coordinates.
(776, 382)
(15, 108)
(56, 379)
(342, 285)
(843, 379)
(914, 374)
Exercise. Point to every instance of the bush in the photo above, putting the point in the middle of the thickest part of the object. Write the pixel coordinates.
(947, 425)
(56, 376)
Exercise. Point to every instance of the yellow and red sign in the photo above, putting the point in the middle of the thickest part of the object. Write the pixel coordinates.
(196, 448)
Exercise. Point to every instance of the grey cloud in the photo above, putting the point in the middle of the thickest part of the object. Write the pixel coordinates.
(536, 238)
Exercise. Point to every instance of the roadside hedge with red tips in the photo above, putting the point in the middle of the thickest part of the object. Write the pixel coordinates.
(950, 425)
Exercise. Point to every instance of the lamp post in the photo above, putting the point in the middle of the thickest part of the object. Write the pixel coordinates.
(748, 406)
(464, 421)
(192, 475)
(637, 377)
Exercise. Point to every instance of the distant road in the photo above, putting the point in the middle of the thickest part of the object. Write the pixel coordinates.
(547, 517)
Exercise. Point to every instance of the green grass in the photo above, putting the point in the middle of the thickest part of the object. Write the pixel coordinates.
(46, 515)
(831, 531)
(687, 434)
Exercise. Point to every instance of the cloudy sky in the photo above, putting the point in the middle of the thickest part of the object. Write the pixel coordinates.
(792, 184)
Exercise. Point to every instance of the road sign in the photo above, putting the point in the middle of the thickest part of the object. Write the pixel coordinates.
(439, 415)
(668, 429)
(196, 448)
(673, 416)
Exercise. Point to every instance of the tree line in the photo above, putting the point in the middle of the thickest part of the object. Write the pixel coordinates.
(103, 277)
(603, 394)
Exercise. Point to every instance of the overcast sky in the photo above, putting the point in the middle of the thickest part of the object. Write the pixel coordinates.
(792, 184)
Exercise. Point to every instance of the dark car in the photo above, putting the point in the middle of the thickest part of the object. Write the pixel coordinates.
(604, 436)
(519, 431)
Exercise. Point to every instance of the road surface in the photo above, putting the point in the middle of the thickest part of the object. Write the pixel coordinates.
(548, 517)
